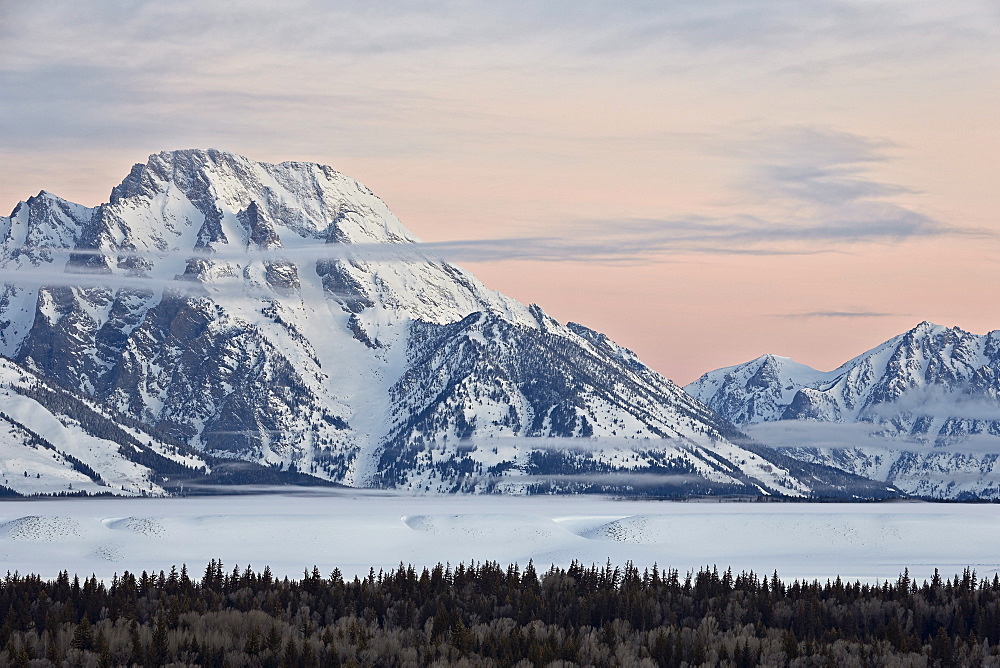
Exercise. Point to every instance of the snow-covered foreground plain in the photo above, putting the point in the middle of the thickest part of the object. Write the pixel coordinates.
(355, 530)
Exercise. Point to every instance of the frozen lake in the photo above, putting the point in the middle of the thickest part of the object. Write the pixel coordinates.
(356, 530)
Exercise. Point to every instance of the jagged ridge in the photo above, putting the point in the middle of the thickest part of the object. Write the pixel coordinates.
(925, 392)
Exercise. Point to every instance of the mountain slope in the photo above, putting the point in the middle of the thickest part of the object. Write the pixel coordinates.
(53, 441)
(281, 314)
(931, 398)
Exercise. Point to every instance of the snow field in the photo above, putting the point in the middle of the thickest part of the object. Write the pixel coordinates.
(353, 531)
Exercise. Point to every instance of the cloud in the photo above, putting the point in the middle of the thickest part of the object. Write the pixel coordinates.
(871, 438)
(959, 403)
(804, 189)
(818, 181)
(840, 314)
(382, 26)
(132, 71)
(617, 479)
(45, 276)
(625, 249)
(818, 165)
(824, 231)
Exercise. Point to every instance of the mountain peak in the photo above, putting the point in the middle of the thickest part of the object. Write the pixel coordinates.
(927, 327)
(891, 384)
(774, 360)
(209, 192)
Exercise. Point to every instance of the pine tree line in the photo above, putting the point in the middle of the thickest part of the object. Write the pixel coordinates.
(486, 614)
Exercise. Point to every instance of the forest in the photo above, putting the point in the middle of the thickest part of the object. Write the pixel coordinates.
(486, 614)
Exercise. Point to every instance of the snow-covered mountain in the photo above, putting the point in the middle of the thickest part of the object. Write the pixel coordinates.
(52, 441)
(760, 390)
(281, 314)
(930, 400)
(55, 441)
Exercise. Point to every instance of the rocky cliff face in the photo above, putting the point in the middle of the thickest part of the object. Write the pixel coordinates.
(281, 314)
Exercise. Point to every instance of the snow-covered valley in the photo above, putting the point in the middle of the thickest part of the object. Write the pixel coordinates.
(291, 530)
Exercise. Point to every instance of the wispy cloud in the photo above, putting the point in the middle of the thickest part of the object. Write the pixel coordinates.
(141, 286)
(803, 190)
(628, 243)
(127, 72)
(615, 479)
(871, 438)
(840, 314)
(747, 234)
(381, 27)
(808, 191)
(958, 402)
(45, 276)
(818, 183)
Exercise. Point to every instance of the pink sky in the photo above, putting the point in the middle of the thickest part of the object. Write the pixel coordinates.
(801, 180)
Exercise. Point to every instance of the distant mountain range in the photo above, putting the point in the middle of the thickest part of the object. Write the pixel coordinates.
(218, 310)
(928, 401)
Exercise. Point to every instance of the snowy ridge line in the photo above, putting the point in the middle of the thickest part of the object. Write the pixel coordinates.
(920, 411)
(928, 372)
